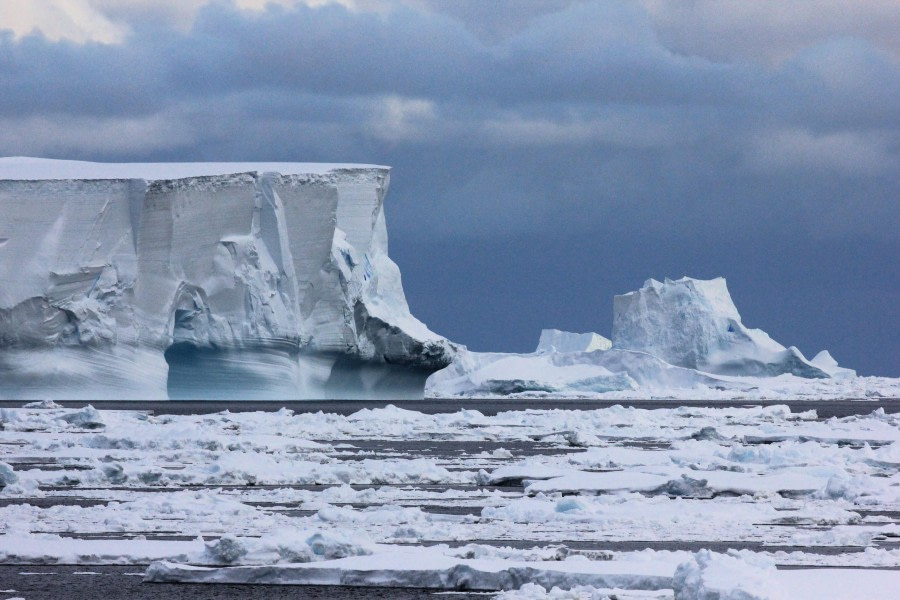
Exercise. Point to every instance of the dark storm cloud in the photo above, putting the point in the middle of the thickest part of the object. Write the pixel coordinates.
(335, 52)
(594, 53)
(542, 163)
(563, 57)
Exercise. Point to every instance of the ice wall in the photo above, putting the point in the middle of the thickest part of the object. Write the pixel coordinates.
(203, 280)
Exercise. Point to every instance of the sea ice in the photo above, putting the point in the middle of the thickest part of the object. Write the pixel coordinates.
(434, 567)
(7, 477)
(226, 491)
(708, 576)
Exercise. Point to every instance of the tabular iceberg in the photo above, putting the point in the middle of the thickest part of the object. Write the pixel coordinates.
(203, 280)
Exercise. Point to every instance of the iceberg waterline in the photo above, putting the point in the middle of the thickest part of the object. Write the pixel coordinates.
(222, 280)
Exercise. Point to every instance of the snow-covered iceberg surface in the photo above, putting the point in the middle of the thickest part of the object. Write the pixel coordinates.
(680, 339)
(221, 280)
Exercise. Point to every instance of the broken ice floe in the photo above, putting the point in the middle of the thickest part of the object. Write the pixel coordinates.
(331, 498)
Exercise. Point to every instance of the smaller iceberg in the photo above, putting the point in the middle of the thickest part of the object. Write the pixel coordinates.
(693, 323)
(554, 340)
(827, 363)
(681, 337)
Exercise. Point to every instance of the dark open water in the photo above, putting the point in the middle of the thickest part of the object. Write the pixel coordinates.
(826, 408)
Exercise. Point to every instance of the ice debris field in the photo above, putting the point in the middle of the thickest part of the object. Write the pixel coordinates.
(273, 281)
(747, 503)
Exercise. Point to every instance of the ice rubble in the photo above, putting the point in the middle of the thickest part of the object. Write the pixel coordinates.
(7, 477)
(813, 483)
(228, 280)
(672, 339)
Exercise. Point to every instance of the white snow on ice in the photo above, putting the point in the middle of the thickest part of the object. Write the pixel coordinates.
(221, 497)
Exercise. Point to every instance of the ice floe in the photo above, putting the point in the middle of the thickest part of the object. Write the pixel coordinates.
(554, 498)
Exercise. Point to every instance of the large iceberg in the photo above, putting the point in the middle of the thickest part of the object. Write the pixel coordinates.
(203, 280)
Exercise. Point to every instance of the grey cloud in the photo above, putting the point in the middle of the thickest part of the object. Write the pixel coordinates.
(499, 19)
(595, 53)
(336, 52)
(770, 31)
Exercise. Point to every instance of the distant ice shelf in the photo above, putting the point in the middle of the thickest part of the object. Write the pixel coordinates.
(203, 280)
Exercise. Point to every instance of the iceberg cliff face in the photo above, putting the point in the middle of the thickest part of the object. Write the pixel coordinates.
(694, 323)
(203, 280)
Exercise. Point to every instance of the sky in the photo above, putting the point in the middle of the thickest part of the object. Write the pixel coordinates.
(546, 154)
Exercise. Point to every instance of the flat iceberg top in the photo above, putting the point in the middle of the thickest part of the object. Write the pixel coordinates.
(27, 168)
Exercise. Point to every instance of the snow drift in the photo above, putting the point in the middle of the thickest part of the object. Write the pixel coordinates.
(223, 280)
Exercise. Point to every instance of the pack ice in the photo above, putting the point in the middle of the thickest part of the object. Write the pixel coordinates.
(681, 338)
(229, 280)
